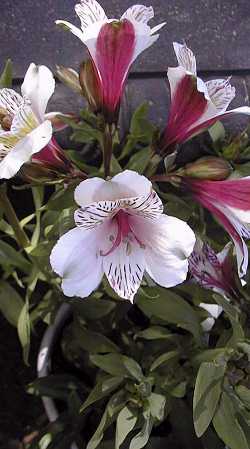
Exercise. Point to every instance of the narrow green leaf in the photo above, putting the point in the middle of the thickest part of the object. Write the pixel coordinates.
(207, 394)
(102, 389)
(23, 328)
(133, 368)
(93, 309)
(166, 305)
(11, 304)
(244, 394)
(139, 161)
(227, 425)
(7, 75)
(155, 333)
(125, 423)
(10, 257)
(140, 440)
(92, 341)
(164, 358)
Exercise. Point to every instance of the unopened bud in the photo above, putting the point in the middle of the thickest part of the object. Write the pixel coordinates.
(69, 77)
(3, 113)
(90, 85)
(210, 168)
(6, 122)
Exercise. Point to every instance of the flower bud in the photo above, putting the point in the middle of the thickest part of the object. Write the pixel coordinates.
(90, 85)
(209, 167)
(69, 77)
(6, 122)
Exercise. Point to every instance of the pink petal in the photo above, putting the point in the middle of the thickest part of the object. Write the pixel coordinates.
(114, 55)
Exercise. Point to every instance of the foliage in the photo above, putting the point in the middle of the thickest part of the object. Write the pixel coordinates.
(135, 364)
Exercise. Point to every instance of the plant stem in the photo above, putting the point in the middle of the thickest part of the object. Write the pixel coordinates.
(107, 149)
(11, 216)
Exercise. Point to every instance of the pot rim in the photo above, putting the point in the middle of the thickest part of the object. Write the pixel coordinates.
(44, 358)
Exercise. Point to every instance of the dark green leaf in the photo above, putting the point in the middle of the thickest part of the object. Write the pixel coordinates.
(93, 309)
(102, 389)
(166, 305)
(11, 304)
(164, 358)
(10, 257)
(227, 425)
(207, 394)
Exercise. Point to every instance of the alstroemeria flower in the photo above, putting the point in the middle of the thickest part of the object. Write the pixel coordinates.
(215, 272)
(113, 44)
(195, 104)
(229, 202)
(25, 128)
(121, 232)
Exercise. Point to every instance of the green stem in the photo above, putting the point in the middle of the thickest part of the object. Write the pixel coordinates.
(11, 216)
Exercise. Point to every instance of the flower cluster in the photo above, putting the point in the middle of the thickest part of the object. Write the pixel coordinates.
(133, 219)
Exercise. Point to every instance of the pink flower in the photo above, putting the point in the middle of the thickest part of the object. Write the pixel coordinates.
(229, 202)
(121, 232)
(216, 272)
(213, 271)
(113, 44)
(195, 104)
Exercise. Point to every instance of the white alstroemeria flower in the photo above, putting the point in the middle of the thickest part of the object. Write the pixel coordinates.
(113, 44)
(121, 232)
(195, 104)
(29, 130)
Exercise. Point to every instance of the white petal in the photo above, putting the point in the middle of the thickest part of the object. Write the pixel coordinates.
(72, 28)
(169, 241)
(10, 100)
(89, 12)
(24, 149)
(24, 121)
(138, 13)
(185, 58)
(124, 269)
(95, 214)
(127, 184)
(75, 258)
(222, 255)
(221, 93)
(38, 87)
(241, 215)
(89, 191)
(143, 39)
(132, 184)
(157, 28)
(214, 310)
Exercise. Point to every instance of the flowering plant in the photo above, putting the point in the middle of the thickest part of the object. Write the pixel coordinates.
(147, 243)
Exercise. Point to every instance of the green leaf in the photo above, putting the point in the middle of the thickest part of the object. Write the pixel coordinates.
(23, 328)
(139, 161)
(125, 423)
(110, 363)
(227, 425)
(166, 305)
(164, 358)
(10, 257)
(155, 333)
(99, 433)
(102, 389)
(63, 198)
(54, 386)
(118, 365)
(11, 304)
(157, 404)
(92, 341)
(93, 309)
(217, 132)
(207, 394)
(140, 440)
(7, 75)
(244, 395)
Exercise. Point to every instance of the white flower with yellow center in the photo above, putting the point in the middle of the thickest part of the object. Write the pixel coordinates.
(26, 129)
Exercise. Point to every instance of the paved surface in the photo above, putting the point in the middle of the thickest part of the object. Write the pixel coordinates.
(217, 30)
